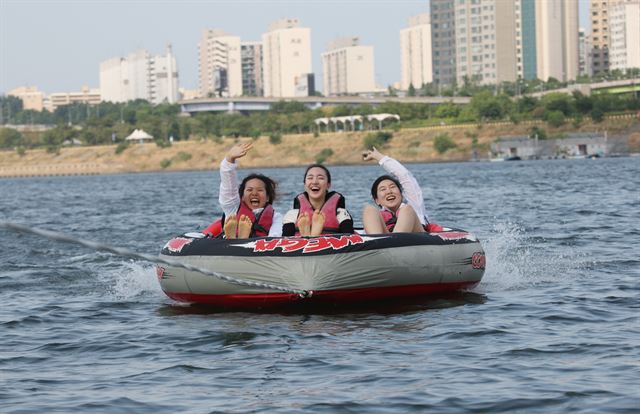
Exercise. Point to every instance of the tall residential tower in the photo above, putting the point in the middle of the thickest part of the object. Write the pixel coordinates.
(286, 58)
(415, 50)
(348, 68)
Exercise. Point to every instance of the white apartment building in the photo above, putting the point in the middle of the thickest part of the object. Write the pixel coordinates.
(415, 50)
(86, 95)
(219, 64)
(557, 39)
(485, 41)
(348, 68)
(286, 50)
(140, 76)
(624, 35)
(32, 98)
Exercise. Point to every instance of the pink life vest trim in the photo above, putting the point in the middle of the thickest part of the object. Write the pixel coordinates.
(329, 209)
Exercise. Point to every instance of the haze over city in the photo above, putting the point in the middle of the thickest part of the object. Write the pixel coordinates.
(57, 46)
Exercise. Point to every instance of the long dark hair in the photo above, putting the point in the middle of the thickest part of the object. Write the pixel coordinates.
(269, 185)
(317, 166)
(374, 187)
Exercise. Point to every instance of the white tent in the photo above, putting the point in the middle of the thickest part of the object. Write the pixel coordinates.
(139, 135)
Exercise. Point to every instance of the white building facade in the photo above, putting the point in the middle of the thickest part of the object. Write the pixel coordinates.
(140, 76)
(415, 50)
(624, 33)
(219, 64)
(557, 39)
(348, 68)
(286, 58)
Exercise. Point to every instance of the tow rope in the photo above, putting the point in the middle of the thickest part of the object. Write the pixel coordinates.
(120, 251)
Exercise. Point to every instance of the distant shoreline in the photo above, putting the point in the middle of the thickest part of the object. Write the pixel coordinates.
(412, 145)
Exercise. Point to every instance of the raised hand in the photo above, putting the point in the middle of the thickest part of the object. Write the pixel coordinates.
(238, 151)
(372, 154)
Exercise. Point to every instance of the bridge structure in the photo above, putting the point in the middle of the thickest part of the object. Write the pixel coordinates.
(255, 104)
(247, 104)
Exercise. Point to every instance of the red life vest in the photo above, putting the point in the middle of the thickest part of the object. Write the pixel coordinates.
(329, 209)
(259, 228)
(390, 220)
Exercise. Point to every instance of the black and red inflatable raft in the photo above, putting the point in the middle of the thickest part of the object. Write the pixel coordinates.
(338, 269)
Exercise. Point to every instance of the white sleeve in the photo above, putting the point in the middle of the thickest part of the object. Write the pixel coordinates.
(228, 196)
(410, 188)
(276, 225)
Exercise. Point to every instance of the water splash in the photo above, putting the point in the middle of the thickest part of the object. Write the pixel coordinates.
(133, 280)
(517, 260)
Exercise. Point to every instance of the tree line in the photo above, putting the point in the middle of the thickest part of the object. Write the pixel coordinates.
(110, 123)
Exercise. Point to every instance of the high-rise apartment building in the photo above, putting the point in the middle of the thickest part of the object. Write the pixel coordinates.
(624, 35)
(485, 41)
(251, 55)
(415, 50)
(584, 53)
(219, 64)
(526, 56)
(286, 58)
(557, 39)
(443, 41)
(348, 68)
(140, 76)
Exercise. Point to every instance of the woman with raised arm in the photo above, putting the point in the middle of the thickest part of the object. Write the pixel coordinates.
(317, 210)
(248, 208)
(392, 215)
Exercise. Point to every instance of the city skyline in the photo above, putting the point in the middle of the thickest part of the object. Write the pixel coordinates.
(62, 43)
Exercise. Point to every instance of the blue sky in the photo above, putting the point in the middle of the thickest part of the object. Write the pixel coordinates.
(57, 45)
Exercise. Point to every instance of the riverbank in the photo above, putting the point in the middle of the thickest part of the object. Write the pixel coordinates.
(408, 145)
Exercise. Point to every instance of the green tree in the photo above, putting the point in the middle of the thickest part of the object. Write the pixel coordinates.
(411, 91)
(555, 118)
(10, 138)
(442, 143)
(378, 139)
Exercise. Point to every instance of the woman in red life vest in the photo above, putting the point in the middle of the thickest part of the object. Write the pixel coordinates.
(317, 210)
(392, 215)
(248, 207)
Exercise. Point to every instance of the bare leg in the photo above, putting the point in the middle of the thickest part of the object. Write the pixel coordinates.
(244, 227)
(304, 225)
(230, 227)
(408, 221)
(317, 223)
(372, 220)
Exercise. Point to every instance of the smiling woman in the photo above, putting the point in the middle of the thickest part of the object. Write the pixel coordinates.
(248, 208)
(392, 215)
(317, 210)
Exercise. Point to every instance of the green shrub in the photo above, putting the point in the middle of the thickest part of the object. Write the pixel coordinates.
(163, 143)
(121, 147)
(21, 151)
(165, 163)
(183, 156)
(275, 138)
(442, 143)
(555, 118)
(53, 149)
(378, 139)
(322, 156)
(415, 143)
(255, 134)
(597, 115)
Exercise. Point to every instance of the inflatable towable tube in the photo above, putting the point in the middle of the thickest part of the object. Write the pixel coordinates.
(337, 268)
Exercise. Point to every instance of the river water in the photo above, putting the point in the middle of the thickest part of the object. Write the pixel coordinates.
(553, 327)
